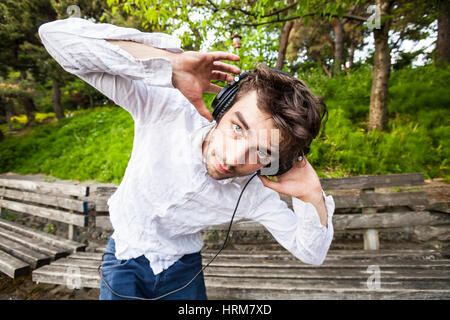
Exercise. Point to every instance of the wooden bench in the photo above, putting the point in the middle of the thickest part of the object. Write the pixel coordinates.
(23, 248)
(368, 212)
(345, 274)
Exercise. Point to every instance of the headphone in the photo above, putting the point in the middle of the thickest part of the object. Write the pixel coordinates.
(223, 102)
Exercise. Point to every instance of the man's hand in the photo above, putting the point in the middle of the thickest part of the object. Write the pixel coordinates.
(301, 182)
(193, 71)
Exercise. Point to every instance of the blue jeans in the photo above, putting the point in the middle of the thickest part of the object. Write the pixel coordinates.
(134, 277)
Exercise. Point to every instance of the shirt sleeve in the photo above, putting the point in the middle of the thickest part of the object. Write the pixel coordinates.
(298, 231)
(80, 47)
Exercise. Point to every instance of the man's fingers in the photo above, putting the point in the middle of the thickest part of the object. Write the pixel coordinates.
(225, 67)
(221, 55)
(201, 108)
(222, 76)
(213, 88)
(269, 183)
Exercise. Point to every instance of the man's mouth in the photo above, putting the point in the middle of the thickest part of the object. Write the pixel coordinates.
(220, 168)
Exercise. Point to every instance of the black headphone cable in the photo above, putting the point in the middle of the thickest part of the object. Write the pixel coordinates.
(189, 282)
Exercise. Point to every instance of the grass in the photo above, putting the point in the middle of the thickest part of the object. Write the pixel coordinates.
(93, 145)
(96, 144)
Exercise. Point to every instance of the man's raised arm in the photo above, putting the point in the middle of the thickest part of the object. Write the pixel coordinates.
(191, 71)
(126, 70)
(80, 47)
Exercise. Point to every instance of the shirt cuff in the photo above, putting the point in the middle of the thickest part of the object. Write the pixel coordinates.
(308, 215)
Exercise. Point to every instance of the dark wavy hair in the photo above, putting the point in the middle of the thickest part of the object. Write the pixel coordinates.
(295, 110)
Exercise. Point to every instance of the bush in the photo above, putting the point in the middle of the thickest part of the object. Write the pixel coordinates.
(96, 144)
(92, 145)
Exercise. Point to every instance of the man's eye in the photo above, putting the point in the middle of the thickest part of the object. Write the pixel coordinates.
(237, 129)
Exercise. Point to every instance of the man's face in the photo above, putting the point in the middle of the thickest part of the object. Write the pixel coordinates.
(244, 141)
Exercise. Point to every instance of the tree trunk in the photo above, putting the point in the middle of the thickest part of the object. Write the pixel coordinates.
(91, 101)
(322, 64)
(27, 102)
(9, 114)
(338, 44)
(283, 41)
(381, 71)
(443, 41)
(284, 37)
(29, 107)
(57, 100)
(351, 54)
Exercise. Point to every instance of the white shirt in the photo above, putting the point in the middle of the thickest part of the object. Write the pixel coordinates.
(166, 196)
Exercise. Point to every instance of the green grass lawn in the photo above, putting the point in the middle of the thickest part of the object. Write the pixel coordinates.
(96, 144)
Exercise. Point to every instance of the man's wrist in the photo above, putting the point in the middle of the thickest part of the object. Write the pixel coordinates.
(312, 196)
(316, 198)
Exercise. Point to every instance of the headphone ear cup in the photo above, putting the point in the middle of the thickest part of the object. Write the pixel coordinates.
(223, 101)
(225, 97)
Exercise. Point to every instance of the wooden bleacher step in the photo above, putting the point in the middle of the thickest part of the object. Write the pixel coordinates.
(12, 266)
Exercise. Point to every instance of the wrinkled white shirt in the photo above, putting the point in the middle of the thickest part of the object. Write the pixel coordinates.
(166, 196)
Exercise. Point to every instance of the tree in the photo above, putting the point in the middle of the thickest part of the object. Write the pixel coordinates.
(381, 69)
(18, 26)
(314, 41)
(443, 40)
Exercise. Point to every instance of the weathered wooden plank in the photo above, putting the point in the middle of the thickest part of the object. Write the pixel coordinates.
(103, 222)
(352, 264)
(105, 191)
(230, 292)
(377, 200)
(45, 187)
(66, 203)
(69, 276)
(87, 255)
(91, 278)
(392, 274)
(34, 244)
(342, 222)
(374, 200)
(356, 258)
(50, 239)
(13, 267)
(33, 258)
(439, 206)
(373, 181)
(52, 214)
(101, 205)
(258, 270)
(332, 254)
(81, 263)
(388, 220)
(102, 194)
(302, 284)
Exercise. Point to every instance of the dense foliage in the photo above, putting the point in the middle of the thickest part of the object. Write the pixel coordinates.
(96, 144)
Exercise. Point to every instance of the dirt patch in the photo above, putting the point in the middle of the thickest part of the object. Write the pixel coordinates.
(24, 288)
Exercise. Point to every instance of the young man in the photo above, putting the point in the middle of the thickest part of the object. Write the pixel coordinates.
(187, 171)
